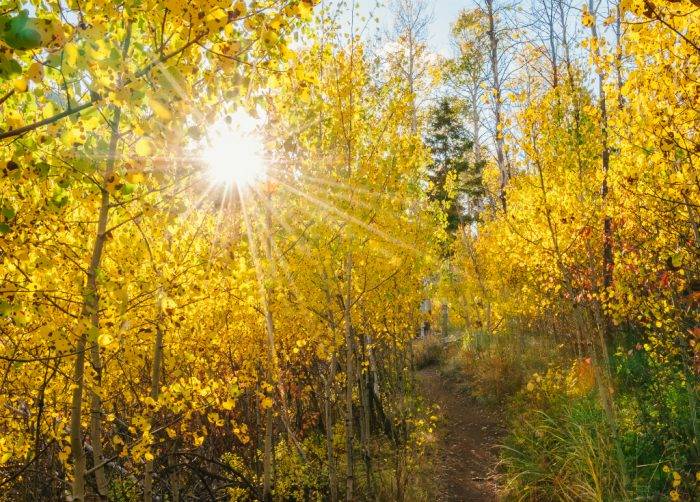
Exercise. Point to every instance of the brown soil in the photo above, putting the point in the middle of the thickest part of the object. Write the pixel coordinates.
(468, 435)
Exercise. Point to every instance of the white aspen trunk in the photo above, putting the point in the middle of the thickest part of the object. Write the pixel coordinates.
(497, 97)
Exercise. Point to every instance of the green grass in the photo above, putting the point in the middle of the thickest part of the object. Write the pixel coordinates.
(568, 457)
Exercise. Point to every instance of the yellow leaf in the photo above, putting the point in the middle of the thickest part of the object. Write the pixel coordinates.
(48, 110)
(144, 147)
(64, 454)
(104, 340)
(70, 53)
(239, 9)
(35, 72)
(71, 137)
(135, 177)
(160, 110)
(21, 84)
(14, 119)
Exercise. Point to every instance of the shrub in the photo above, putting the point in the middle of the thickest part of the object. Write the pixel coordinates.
(427, 351)
(496, 366)
(561, 448)
(296, 478)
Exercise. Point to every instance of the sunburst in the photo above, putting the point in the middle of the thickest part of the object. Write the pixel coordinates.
(235, 153)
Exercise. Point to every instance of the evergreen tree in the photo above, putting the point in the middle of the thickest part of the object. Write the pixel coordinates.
(455, 182)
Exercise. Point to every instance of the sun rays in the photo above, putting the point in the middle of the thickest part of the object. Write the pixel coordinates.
(238, 166)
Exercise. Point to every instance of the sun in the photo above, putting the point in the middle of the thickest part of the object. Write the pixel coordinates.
(234, 152)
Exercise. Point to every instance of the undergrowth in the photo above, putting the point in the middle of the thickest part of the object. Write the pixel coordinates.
(560, 446)
(427, 351)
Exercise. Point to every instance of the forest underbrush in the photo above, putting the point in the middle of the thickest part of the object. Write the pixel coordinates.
(560, 445)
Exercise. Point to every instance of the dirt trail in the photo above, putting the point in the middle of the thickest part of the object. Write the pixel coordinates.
(467, 440)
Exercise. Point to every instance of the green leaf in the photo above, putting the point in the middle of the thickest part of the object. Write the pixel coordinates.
(42, 169)
(21, 32)
(4, 228)
(128, 188)
(8, 67)
(65, 182)
(59, 199)
(8, 213)
(676, 260)
(5, 308)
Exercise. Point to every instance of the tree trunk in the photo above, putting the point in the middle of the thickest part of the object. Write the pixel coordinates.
(155, 390)
(76, 442)
(267, 458)
(271, 354)
(497, 96)
(605, 154)
(474, 91)
(328, 419)
(349, 382)
(90, 312)
(363, 386)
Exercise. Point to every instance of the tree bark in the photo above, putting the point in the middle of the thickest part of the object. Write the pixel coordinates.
(498, 101)
(349, 382)
(363, 386)
(90, 312)
(155, 391)
(328, 419)
(605, 155)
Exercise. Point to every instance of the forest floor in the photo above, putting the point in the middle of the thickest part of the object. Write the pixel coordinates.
(468, 437)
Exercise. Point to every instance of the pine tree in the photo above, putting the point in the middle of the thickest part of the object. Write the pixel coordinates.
(455, 181)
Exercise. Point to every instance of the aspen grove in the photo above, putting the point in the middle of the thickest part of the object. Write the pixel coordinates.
(236, 236)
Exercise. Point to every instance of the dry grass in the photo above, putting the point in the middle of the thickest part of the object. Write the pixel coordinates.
(427, 351)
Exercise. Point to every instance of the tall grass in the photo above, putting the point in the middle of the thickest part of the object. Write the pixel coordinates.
(493, 368)
(568, 457)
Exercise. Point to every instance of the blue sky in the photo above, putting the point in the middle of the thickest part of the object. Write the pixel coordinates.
(445, 12)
